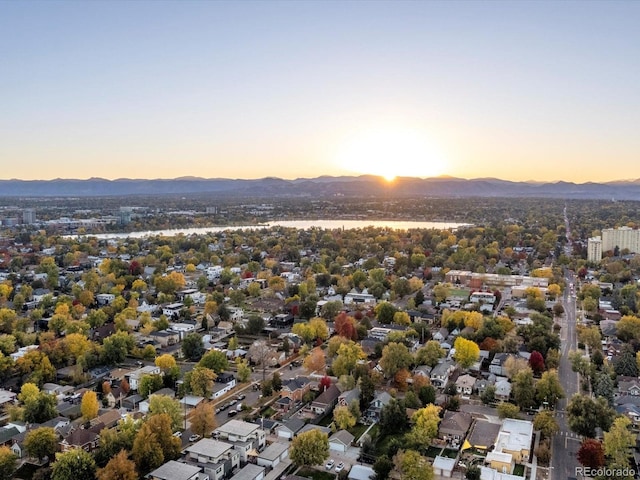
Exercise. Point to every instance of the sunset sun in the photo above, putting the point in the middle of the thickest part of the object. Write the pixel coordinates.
(391, 153)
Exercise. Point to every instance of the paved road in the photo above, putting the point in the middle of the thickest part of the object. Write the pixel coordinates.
(565, 444)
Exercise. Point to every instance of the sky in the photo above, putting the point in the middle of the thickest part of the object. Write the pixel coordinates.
(517, 90)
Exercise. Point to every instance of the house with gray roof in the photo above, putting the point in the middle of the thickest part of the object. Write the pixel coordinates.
(377, 404)
(173, 470)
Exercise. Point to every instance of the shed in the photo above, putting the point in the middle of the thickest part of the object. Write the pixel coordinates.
(273, 455)
(443, 466)
(340, 441)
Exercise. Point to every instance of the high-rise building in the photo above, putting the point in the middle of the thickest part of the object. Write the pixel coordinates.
(594, 249)
(623, 238)
(28, 216)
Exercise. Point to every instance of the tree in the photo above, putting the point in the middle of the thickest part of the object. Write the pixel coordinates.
(467, 352)
(41, 442)
(546, 423)
(259, 353)
(628, 327)
(315, 362)
(591, 453)
(513, 365)
(536, 362)
(603, 386)
(625, 363)
(618, 443)
(441, 292)
(40, 408)
(154, 444)
(382, 466)
(586, 414)
(89, 406)
(192, 346)
(116, 347)
(216, 360)
(347, 358)
(412, 466)
(549, 389)
(425, 426)
(393, 417)
(395, 357)
(367, 390)
(523, 389)
(7, 463)
(201, 381)
(343, 418)
(345, 326)
(149, 384)
(310, 448)
(203, 419)
(508, 410)
(166, 362)
(276, 382)
(430, 354)
(76, 464)
(473, 473)
(118, 468)
(489, 395)
(255, 325)
(243, 370)
(385, 312)
(159, 404)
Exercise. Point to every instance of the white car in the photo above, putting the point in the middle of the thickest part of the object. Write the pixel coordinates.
(329, 464)
(339, 467)
(194, 437)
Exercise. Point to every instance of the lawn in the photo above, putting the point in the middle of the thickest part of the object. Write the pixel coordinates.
(449, 453)
(382, 445)
(326, 421)
(357, 430)
(316, 474)
(433, 451)
(267, 412)
(518, 470)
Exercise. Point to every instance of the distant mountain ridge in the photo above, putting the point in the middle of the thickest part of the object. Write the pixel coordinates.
(324, 186)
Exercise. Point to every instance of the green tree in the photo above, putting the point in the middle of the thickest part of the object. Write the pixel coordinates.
(215, 360)
(393, 417)
(243, 370)
(201, 381)
(255, 324)
(348, 355)
(549, 389)
(159, 404)
(489, 395)
(508, 410)
(395, 357)
(618, 443)
(385, 312)
(523, 389)
(149, 384)
(310, 448)
(116, 347)
(8, 463)
(546, 423)
(76, 464)
(430, 354)
(467, 352)
(586, 414)
(192, 346)
(41, 442)
(154, 444)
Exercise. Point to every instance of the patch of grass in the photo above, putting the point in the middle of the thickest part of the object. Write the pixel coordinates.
(267, 412)
(449, 453)
(326, 421)
(382, 445)
(518, 470)
(357, 430)
(433, 451)
(316, 474)
(374, 432)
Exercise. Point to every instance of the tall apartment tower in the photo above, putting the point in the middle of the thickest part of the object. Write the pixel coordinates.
(623, 238)
(594, 249)
(28, 216)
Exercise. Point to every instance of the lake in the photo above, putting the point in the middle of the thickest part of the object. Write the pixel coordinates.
(300, 224)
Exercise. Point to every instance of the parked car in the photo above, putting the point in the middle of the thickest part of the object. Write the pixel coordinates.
(232, 413)
(194, 437)
(242, 396)
(339, 467)
(177, 434)
(329, 464)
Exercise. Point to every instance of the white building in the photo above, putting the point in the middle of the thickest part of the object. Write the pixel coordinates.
(136, 375)
(594, 249)
(623, 238)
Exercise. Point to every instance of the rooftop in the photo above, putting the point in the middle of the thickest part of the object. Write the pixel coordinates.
(209, 448)
(238, 427)
(249, 472)
(173, 470)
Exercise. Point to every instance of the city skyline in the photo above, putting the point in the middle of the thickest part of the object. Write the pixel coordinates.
(513, 90)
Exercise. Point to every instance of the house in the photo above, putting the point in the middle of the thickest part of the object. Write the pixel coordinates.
(244, 436)
(295, 388)
(376, 406)
(326, 400)
(497, 364)
(464, 384)
(487, 473)
(7, 397)
(630, 411)
(172, 311)
(165, 338)
(440, 373)
(215, 457)
(443, 466)
(173, 470)
(340, 441)
(481, 385)
(512, 445)
(290, 428)
(441, 335)
(273, 455)
(503, 389)
(80, 438)
(454, 426)
(483, 435)
(629, 386)
(345, 398)
(135, 376)
(249, 472)
(359, 298)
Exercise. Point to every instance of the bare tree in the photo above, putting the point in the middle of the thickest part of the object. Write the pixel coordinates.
(259, 353)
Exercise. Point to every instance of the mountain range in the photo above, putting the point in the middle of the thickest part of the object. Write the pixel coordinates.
(324, 186)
